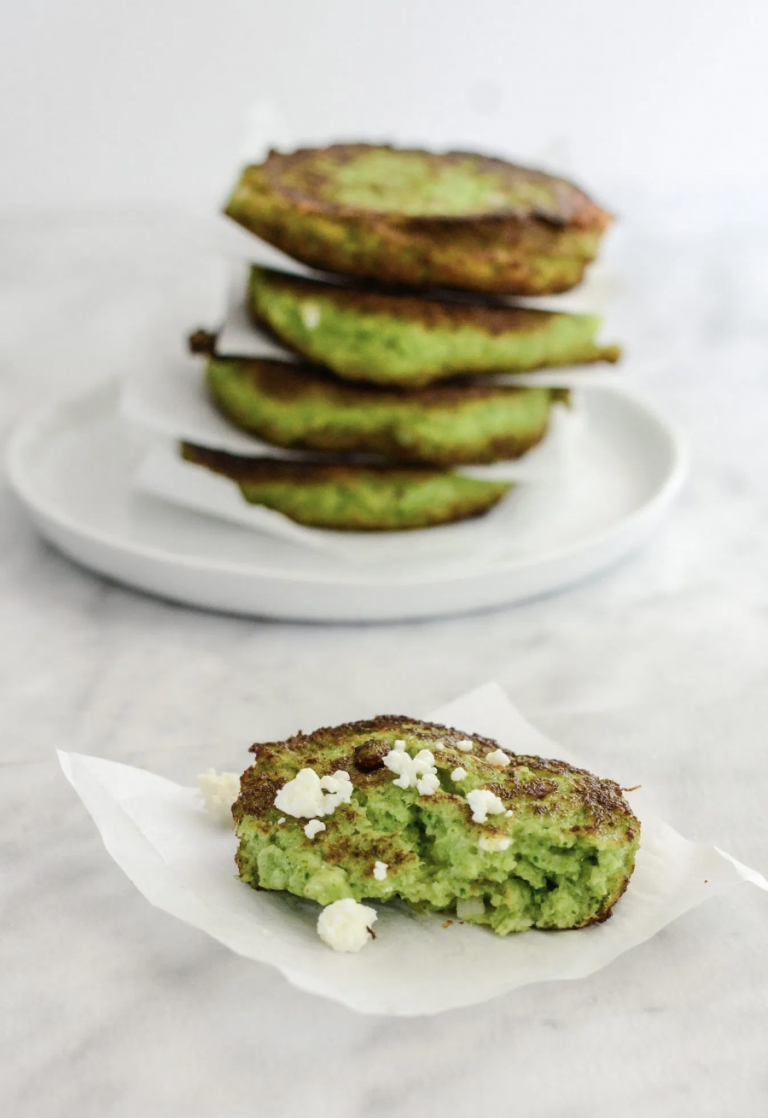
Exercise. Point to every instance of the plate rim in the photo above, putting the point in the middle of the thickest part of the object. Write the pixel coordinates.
(30, 427)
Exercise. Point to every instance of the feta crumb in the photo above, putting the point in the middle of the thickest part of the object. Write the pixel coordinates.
(308, 795)
(493, 843)
(509, 812)
(470, 906)
(313, 828)
(281, 820)
(499, 759)
(380, 870)
(340, 788)
(311, 315)
(484, 803)
(399, 746)
(458, 773)
(428, 784)
(218, 791)
(410, 769)
(346, 925)
(465, 746)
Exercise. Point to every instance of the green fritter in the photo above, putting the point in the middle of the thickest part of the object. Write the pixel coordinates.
(303, 407)
(408, 340)
(422, 219)
(348, 497)
(443, 820)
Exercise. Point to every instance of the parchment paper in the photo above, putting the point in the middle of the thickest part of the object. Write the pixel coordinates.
(160, 836)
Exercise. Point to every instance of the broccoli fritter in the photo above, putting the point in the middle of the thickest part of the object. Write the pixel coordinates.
(303, 407)
(532, 843)
(408, 340)
(345, 496)
(422, 219)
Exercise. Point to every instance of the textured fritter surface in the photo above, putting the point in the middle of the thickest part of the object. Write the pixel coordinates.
(409, 340)
(422, 219)
(305, 408)
(572, 836)
(351, 497)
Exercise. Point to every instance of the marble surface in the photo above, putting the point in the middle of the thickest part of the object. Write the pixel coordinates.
(656, 672)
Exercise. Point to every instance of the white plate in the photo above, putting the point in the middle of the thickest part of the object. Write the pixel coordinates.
(73, 466)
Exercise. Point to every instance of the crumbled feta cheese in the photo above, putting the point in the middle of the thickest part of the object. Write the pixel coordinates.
(302, 796)
(470, 906)
(465, 746)
(309, 795)
(509, 812)
(380, 870)
(399, 746)
(410, 769)
(492, 843)
(484, 803)
(311, 315)
(338, 788)
(218, 791)
(499, 759)
(428, 784)
(281, 820)
(313, 828)
(346, 925)
(458, 773)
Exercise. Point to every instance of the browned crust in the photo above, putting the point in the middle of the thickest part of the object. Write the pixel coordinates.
(491, 318)
(571, 206)
(256, 471)
(284, 380)
(202, 343)
(381, 723)
(602, 797)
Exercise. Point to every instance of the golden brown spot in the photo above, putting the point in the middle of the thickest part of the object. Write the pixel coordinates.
(202, 342)
(369, 755)
(257, 795)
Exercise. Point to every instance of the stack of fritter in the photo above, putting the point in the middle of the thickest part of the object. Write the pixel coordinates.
(395, 393)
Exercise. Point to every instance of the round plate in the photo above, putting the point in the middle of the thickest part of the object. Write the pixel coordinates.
(73, 465)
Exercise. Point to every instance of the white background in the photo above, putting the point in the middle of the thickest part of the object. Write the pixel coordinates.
(106, 103)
